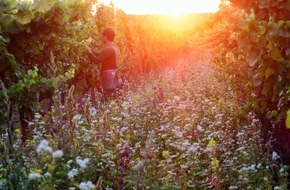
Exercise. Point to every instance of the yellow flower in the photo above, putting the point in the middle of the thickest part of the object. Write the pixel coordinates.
(215, 162)
(211, 143)
(288, 119)
(165, 153)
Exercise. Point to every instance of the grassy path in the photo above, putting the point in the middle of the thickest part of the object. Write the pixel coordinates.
(185, 129)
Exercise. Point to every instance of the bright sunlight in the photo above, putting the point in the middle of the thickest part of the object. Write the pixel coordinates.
(170, 7)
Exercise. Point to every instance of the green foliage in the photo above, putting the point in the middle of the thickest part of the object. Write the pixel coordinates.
(255, 59)
(42, 47)
(263, 46)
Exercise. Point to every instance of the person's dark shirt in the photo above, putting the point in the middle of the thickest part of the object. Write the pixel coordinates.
(107, 58)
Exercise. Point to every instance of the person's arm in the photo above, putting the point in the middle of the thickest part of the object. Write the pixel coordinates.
(99, 57)
(96, 58)
(93, 56)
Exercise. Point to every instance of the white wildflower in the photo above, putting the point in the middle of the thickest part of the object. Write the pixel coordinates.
(43, 147)
(93, 111)
(239, 134)
(275, 156)
(30, 123)
(233, 188)
(86, 185)
(171, 173)
(37, 116)
(111, 163)
(41, 123)
(199, 128)
(256, 121)
(253, 95)
(108, 188)
(77, 117)
(249, 169)
(277, 188)
(69, 162)
(138, 166)
(47, 174)
(123, 130)
(242, 148)
(184, 166)
(186, 143)
(57, 154)
(219, 115)
(192, 149)
(82, 163)
(72, 173)
(34, 176)
(177, 98)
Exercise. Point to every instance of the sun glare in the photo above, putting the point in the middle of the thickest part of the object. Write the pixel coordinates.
(170, 7)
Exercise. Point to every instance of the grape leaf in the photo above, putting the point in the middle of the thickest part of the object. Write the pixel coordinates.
(42, 6)
(24, 17)
(273, 29)
(269, 72)
(275, 54)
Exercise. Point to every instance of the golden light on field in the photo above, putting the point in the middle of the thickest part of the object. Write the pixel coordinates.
(169, 7)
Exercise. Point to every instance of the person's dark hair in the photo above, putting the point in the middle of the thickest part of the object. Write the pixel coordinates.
(109, 33)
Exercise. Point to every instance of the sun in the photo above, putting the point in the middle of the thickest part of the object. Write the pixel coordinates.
(169, 7)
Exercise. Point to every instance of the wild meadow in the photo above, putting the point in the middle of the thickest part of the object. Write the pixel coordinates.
(179, 129)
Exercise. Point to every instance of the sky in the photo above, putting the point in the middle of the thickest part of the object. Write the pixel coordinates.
(166, 6)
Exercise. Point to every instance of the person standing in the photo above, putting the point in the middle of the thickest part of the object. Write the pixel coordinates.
(108, 59)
